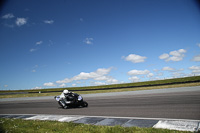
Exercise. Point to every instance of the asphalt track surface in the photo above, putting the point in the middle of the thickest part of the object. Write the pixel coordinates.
(181, 104)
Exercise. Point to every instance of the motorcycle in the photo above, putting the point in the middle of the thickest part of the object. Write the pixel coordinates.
(71, 100)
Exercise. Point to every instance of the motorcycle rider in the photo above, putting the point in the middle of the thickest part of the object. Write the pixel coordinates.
(70, 99)
(63, 98)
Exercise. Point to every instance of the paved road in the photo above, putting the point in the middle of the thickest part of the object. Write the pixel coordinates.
(178, 103)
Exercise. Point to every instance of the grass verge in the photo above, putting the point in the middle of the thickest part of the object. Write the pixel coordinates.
(35, 126)
(101, 91)
(174, 81)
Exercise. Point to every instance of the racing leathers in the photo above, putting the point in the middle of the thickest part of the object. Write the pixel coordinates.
(63, 99)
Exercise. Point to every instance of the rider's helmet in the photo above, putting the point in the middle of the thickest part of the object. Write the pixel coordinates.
(65, 91)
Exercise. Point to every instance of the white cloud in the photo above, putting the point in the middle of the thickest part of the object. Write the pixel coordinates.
(111, 80)
(101, 78)
(143, 73)
(8, 16)
(39, 42)
(36, 66)
(159, 74)
(164, 56)
(5, 86)
(134, 79)
(138, 72)
(135, 58)
(181, 69)
(155, 70)
(73, 84)
(168, 69)
(173, 55)
(66, 80)
(178, 74)
(100, 74)
(48, 21)
(196, 58)
(36, 87)
(195, 69)
(99, 83)
(108, 80)
(154, 78)
(84, 76)
(21, 21)
(32, 50)
(150, 75)
(88, 40)
(51, 43)
(49, 84)
(63, 85)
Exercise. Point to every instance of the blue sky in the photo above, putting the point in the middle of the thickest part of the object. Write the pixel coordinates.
(49, 43)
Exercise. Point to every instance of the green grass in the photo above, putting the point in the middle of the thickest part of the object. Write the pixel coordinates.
(35, 126)
(125, 85)
(159, 84)
(132, 85)
(100, 91)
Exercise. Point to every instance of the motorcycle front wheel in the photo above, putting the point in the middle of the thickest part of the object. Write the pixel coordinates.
(85, 104)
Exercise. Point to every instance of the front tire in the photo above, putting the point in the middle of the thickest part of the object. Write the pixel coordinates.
(65, 107)
(85, 104)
